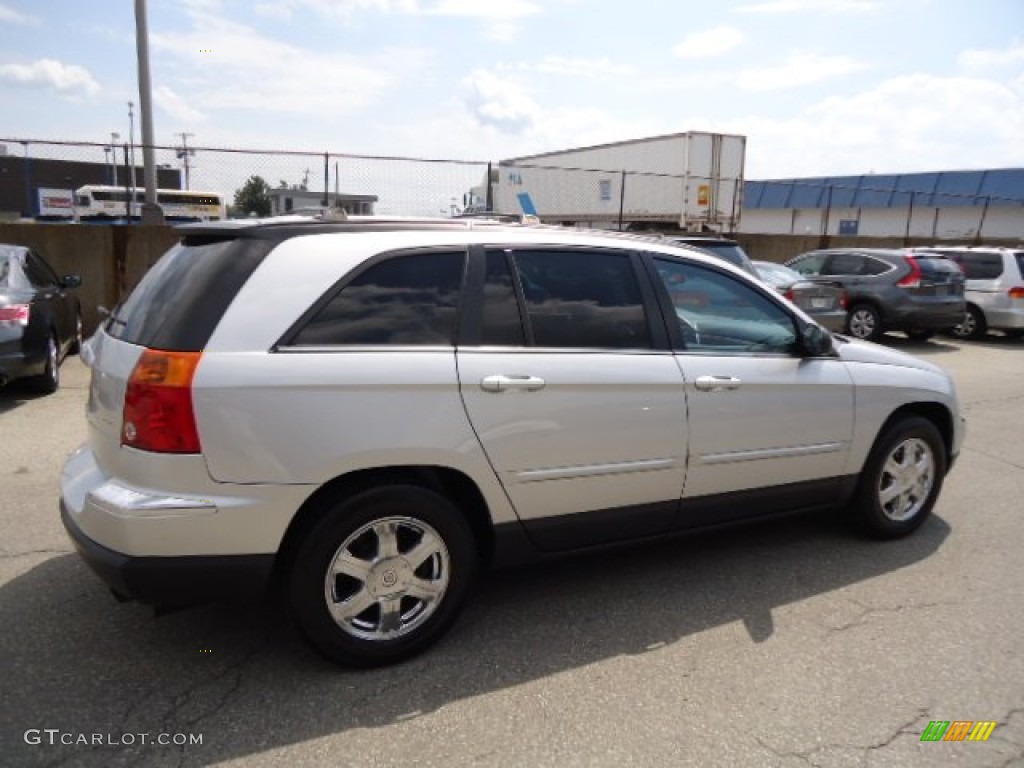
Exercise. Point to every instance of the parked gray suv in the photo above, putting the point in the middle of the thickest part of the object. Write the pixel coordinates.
(890, 290)
(366, 413)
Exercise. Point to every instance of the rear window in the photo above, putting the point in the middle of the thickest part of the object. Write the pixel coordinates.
(181, 299)
(936, 266)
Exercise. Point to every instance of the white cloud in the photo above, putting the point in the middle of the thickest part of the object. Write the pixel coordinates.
(799, 69)
(499, 102)
(489, 9)
(801, 6)
(68, 79)
(175, 106)
(266, 73)
(709, 42)
(905, 124)
(10, 16)
(573, 67)
(975, 61)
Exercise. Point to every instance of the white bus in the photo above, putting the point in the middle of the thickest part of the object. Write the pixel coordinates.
(96, 202)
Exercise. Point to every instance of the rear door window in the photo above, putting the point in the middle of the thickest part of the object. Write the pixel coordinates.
(981, 266)
(844, 264)
(404, 300)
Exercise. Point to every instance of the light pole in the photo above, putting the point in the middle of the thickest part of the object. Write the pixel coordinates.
(184, 153)
(151, 212)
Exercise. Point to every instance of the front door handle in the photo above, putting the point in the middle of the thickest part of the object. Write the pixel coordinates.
(715, 383)
(502, 383)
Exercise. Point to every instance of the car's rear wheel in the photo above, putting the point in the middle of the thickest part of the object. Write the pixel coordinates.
(901, 479)
(382, 576)
(973, 325)
(48, 381)
(864, 322)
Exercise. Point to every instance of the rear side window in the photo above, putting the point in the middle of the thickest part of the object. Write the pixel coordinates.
(844, 264)
(405, 300)
(180, 301)
(982, 266)
(4, 269)
(1020, 263)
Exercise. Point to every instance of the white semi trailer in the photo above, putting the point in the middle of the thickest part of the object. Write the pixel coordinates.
(691, 181)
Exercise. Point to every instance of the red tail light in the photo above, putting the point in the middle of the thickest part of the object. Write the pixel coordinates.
(913, 280)
(158, 414)
(842, 299)
(1017, 292)
(15, 314)
(788, 294)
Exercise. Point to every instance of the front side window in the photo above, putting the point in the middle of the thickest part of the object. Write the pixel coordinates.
(582, 299)
(405, 300)
(719, 314)
(38, 272)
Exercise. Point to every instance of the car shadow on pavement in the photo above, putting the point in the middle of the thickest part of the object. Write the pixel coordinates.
(78, 661)
(16, 394)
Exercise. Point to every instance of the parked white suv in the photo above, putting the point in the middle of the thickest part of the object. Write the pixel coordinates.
(994, 289)
(367, 412)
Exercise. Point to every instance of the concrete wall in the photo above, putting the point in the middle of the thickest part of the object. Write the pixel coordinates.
(935, 223)
(780, 248)
(110, 259)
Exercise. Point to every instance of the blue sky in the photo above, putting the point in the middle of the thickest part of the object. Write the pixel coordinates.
(818, 86)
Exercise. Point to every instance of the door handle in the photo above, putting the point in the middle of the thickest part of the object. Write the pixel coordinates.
(715, 383)
(501, 383)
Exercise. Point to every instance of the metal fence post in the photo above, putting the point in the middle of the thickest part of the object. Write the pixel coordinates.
(489, 194)
(622, 198)
(327, 177)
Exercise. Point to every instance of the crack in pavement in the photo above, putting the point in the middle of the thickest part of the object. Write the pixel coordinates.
(988, 455)
(12, 555)
(867, 612)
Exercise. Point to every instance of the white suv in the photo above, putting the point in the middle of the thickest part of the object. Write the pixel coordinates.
(367, 412)
(994, 289)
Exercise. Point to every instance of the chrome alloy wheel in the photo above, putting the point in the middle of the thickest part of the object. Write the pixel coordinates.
(906, 479)
(862, 323)
(52, 364)
(387, 578)
(967, 327)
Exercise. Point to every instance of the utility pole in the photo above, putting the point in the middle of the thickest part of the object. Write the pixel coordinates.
(183, 153)
(151, 212)
(114, 138)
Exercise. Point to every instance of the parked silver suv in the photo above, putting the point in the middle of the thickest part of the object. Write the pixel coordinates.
(994, 289)
(368, 412)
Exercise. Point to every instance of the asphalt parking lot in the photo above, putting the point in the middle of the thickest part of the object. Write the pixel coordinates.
(791, 644)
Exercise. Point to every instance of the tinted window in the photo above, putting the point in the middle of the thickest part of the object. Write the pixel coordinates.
(870, 266)
(181, 299)
(810, 264)
(1020, 264)
(981, 266)
(4, 269)
(404, 300)
(586, 299)
(719, 314)
(502, 324)
(937, 268)
(844, 264)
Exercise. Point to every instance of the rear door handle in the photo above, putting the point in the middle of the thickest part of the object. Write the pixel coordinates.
(714, 383)
(501, 383)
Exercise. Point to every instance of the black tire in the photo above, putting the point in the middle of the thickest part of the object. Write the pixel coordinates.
(48, 381)
(356, 529)
(864, 322)
(919, 335)
(76, 343)
(911, 440)
(974, 325)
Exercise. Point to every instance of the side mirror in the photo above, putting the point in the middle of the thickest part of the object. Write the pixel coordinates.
(70, 281)
(817, 342)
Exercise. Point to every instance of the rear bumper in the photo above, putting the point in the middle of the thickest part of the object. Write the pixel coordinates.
(173, 581)
(833, 321)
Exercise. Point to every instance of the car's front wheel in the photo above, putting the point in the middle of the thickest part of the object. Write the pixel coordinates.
(901, 479)
(864, 322)
(382, 576)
